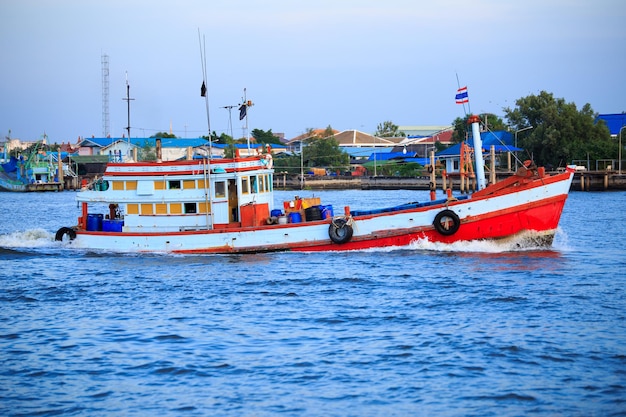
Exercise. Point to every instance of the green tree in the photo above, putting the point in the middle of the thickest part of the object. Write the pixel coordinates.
(164, 135)
(214, 138)
(289, 164)
(147, 152)
(325, 152)
(265, 137)
(561, 133)
(388, 130)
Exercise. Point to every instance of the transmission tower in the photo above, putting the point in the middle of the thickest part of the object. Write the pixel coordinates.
(105, 95)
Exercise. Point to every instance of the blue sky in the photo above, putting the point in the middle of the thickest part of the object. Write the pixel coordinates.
(351, 64)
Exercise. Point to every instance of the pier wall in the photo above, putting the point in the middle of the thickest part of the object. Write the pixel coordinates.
(583, 181)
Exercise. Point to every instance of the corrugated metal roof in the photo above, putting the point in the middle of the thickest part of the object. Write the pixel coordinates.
(363, 151)
(614, 122)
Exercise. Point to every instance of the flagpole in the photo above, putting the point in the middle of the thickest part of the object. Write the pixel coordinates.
(458, 85)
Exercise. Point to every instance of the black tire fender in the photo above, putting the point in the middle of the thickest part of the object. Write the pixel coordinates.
(447, 222)
(340, 231)
(62, 232)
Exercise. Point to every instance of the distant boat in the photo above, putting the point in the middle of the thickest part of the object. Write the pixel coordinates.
(227, 206)
(33, 173)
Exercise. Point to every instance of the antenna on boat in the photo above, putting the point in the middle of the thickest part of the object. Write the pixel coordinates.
(203, 88)
(128, 100)
(230, 118)
(243, 113)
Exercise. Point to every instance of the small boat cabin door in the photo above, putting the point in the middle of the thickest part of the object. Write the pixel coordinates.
(233, 201)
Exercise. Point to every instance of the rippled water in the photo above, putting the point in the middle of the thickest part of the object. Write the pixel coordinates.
(462, 330)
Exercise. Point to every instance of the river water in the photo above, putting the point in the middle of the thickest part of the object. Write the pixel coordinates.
(462, 330)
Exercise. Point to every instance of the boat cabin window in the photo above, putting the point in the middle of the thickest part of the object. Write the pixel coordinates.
(253, 183)
(190, 208)
(220, 189)
(262, 183)
(245, 185)
(173, 184)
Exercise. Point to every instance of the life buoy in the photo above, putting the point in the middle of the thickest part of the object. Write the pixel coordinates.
(340, 231)
(269, 161)
(447, 222)
(65, 231)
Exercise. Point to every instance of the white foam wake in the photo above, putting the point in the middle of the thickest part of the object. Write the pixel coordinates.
(32, 238)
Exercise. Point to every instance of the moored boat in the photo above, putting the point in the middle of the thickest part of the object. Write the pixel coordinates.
(36, 172)
(227, 206)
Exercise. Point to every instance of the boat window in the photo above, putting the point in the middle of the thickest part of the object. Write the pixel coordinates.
(132, 209)
(220, 189)
(245, 186)
(189, 184)
(161, 208)
(175, 208)
(190, 208)
(203, 207)
(262, 183)
(174, 184)
(253, 183)
(270, 182)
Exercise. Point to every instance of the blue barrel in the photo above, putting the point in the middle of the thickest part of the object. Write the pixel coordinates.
(114, 225)
(94, 222)
(327, 212)
(295, 217)
(276, 213)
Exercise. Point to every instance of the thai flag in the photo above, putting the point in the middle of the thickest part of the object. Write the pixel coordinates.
(461, 96)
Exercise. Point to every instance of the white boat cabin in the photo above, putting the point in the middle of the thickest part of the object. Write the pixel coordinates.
(180, 196)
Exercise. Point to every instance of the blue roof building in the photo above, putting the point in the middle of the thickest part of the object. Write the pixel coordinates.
(615, 122)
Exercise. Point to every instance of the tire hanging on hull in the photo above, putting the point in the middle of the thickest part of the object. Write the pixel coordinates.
(65, 231)
(340, 231)
(447, 222)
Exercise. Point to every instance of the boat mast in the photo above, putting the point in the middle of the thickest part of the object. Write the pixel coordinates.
(203, 89)
(478, 151)
(128, 100)
(208, 193)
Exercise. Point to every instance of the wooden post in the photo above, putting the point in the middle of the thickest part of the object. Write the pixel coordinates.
(462, 167)
(492, 176)
(60, 176)
(433, 178)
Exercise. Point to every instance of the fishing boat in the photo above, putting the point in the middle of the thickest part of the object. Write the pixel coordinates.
(36, 172)
(226, 206)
